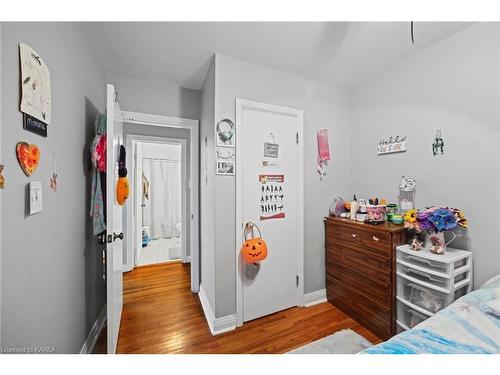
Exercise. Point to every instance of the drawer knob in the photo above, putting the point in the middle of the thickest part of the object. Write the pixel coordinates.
(354, 235)
(375, 238)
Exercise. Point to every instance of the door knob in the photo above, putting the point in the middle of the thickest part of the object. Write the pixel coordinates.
(115, 236)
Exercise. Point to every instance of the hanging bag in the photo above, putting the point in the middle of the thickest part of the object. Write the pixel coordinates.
(253, 249)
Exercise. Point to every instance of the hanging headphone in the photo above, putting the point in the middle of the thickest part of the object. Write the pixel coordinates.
(227, 134)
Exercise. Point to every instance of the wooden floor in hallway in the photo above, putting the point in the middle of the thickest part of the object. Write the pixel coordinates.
(161, 315)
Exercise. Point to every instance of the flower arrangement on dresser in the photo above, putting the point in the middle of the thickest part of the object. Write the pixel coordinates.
(429, 226)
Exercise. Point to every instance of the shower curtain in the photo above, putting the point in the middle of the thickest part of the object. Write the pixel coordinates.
(162, 211)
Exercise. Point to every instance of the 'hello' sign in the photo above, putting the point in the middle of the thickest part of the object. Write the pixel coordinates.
(392, 145)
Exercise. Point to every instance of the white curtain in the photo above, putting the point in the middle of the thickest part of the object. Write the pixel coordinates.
(162, 211)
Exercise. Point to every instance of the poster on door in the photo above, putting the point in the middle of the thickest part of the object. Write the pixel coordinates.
(272, 196)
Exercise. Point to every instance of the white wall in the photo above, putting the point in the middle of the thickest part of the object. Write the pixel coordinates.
(156, 98)
(52, 285)
(454, 84)
(163, 151)
(325, 107)
(207, 186)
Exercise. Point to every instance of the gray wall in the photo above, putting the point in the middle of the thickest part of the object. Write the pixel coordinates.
(454, 84)
(207, 185)
(325, 107)
(138, 95)
(52, 286)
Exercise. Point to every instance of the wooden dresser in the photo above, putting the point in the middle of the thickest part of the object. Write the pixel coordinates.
(360, 271)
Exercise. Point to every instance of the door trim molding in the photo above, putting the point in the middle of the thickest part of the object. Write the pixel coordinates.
(242, 104)
(193, 179)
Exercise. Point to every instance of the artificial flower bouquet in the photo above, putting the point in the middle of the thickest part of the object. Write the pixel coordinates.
(432, 220)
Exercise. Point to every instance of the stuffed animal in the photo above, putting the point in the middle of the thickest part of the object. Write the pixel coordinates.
(437, 246)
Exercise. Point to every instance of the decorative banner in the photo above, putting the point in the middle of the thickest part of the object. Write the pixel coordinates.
(392, 145)
(272, 193)
(323, 146)
(323, 151)
(35, 86)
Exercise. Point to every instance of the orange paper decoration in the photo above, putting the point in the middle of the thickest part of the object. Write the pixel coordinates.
(28, 157)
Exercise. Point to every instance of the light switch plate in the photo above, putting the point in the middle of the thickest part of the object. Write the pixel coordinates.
(36, 204)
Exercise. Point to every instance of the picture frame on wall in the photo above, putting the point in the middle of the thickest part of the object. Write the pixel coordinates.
(225, 168)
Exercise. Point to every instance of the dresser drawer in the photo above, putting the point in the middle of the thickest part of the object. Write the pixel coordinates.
(361, 260)
(373, 288)
(370, 314)
(356, 236)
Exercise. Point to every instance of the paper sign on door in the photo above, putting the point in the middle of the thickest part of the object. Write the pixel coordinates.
(272, 196)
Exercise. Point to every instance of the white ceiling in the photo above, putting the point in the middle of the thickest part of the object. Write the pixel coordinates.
(178, 53)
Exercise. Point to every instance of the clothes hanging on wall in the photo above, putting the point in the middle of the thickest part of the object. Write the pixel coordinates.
(98, 189)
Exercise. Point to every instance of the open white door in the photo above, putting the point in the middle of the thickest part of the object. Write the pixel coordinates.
(114, 222)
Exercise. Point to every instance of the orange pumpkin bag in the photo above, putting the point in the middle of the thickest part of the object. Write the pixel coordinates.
(255, 248)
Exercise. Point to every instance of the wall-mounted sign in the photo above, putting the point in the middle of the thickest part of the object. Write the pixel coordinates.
(272, 196)
(271, 149)
(34, 125)
(35, 197)
(35, 90)
(392, 145)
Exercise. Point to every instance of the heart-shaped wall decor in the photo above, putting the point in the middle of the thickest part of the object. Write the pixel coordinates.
(28, 157)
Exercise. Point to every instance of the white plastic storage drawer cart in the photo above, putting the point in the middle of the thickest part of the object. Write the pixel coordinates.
(426, 282)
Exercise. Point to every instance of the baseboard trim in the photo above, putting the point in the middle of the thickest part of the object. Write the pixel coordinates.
(88, 345)
(216, 325)
(313, 298)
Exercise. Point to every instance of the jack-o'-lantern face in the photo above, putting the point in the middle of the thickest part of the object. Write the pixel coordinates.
(122, 189)
(254, 250)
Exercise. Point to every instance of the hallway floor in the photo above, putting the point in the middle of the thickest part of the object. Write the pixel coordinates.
(161, 315)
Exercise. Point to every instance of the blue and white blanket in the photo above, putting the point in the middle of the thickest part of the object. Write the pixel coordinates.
(470, 325)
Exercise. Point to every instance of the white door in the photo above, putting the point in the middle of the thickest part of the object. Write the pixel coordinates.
(114, 222)
(139, 203)
(269, 194)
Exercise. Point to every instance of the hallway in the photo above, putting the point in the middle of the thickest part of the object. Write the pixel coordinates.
(161, 315)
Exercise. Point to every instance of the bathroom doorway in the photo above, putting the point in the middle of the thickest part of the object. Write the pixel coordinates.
(160, 202)
(141, 129)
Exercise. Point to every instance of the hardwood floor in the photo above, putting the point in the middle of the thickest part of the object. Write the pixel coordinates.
(161, 315)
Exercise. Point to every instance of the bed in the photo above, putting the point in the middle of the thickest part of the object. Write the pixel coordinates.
(470, 325)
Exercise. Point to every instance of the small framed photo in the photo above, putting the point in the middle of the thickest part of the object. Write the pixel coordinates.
(225, 168)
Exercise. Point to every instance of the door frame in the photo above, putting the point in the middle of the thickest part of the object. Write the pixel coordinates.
(147, 119)
(241, 105)
(132, 224)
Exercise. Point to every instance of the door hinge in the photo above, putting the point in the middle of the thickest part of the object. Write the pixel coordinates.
(297, 280)
(297, 137)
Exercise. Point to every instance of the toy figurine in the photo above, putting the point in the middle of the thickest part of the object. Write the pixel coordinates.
(437, 246)
(415, 244)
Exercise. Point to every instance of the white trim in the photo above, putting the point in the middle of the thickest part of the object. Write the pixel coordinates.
(89, 344)
(242, 104)
(192, 126)
(314, 298)
(219, 325)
